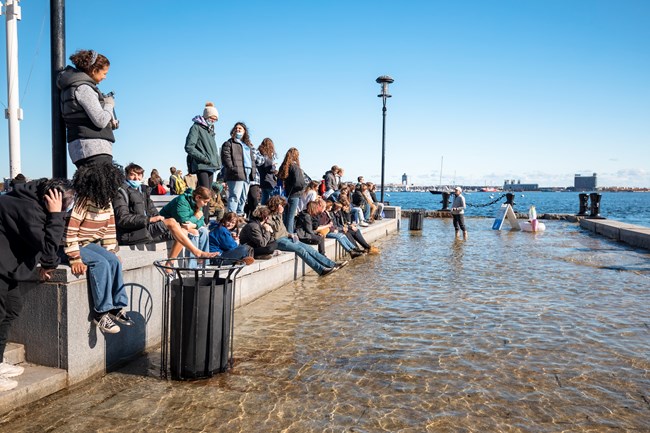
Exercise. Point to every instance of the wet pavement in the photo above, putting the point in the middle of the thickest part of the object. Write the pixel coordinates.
(504, 332)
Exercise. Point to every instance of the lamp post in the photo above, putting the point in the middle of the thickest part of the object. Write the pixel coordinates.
(384, 81)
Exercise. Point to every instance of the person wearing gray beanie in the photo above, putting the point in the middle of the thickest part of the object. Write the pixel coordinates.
(203, 157)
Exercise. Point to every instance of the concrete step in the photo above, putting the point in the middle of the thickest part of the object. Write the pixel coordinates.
(35, 383)
(15, 353)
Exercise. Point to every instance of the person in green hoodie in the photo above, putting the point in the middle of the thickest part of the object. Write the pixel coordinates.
(187, 209)
(203, 158)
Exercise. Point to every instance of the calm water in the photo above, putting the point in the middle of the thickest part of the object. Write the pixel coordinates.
(505, 332)
(633, 208)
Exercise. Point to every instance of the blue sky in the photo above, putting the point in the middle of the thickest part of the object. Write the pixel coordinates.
(529, 90)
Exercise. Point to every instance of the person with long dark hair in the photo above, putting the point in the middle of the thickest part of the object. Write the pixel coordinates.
(202, 154)
(238, 158)
(89, 115)
(268, 170)
(293, 180)
(90, 243)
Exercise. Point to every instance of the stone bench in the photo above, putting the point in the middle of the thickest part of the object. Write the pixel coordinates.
(56, 329)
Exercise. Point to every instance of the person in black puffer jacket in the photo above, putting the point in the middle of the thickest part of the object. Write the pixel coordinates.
(138, 222)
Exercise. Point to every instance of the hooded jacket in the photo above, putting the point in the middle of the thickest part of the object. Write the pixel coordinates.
(29, 233)
(182, 209)
(201, 148)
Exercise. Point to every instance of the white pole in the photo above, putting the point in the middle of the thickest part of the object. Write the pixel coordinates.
(13, 112)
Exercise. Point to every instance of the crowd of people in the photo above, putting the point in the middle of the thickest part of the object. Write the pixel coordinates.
(233, 202)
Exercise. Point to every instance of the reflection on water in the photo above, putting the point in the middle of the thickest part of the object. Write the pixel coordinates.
(505, 332)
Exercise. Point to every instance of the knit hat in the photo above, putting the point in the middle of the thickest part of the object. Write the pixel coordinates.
(209, 111)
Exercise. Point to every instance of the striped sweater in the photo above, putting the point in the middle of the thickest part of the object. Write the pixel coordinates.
(87, 224)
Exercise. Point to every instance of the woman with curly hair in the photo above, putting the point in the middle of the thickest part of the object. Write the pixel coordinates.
(268, 170)
(238, 158)
(294, 182)
(90, 243)
(89, 115)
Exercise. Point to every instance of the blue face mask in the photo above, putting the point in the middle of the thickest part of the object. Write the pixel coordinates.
(134, 183)
(210, 122)
(239, 135)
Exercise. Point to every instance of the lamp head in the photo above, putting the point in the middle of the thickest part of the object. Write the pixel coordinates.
(384, 81)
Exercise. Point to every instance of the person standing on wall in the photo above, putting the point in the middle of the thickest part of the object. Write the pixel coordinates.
(32, 223)
(89, 115)
(201, 148)
(458, 211)
(238, 157)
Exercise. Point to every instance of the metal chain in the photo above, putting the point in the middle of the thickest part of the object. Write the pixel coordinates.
(487, 204)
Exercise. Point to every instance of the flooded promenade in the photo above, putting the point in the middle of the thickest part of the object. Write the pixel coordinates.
(504, 332)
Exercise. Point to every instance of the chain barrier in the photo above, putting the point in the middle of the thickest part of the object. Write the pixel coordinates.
(487, 204)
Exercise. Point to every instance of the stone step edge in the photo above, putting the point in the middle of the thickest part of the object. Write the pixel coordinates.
(34, 384)
(15, 353)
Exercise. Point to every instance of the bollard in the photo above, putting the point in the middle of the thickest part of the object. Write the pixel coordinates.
(595, 205)
(584, 204)
(416, 218)
(510, 199)
(445, 201)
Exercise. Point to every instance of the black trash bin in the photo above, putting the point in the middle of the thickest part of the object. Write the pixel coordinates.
(198, 315)
(416, 219)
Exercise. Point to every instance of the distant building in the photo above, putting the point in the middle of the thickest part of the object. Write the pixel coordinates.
(584, 183)
(405, 180)
(510, 185)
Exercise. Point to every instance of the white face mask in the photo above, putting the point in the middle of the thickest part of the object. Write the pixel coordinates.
(239, 135)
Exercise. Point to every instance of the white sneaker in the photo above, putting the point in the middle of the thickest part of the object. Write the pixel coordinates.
(9, 370)
(106, 324)
(7, 384)
(363, 224)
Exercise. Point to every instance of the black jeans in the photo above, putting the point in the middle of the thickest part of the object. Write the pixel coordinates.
(11, 304)
(253, 200)
(204, 178)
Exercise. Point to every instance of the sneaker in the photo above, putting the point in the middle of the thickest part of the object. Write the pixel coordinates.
(10, 370)
(106, 324)
(374, 251)
(363, 224)
(248, 260)
(341, 264)
(355, 254)
(326, 271)
(121, 317)
(7, 384)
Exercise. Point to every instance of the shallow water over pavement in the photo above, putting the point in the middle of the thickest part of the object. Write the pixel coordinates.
(504, 332)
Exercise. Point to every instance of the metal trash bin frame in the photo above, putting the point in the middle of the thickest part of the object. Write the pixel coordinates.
(178, 269)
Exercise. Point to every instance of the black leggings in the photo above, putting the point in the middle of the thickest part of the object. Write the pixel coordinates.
(204, 178)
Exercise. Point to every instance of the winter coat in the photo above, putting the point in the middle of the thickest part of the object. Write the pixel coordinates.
(201, 148)
(254, 235)
(132, 217)
(232, 158)
(330, 181)
(268, 174)
(295, 181)
(221, 239)
(305, 225)
(29, 234)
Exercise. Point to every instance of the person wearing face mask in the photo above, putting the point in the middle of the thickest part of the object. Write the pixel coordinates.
(238, 158)
(137, 220)
(203, 158)
(89, 115)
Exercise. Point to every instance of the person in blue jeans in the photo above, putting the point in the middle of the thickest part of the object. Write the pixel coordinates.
(187, 209)
(90, 243)
(289, 241)
(294, 183)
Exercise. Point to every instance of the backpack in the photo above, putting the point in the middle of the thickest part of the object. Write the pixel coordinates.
(321, 187)
(179, 185)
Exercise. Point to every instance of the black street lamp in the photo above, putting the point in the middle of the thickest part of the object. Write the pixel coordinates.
(384, 81)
